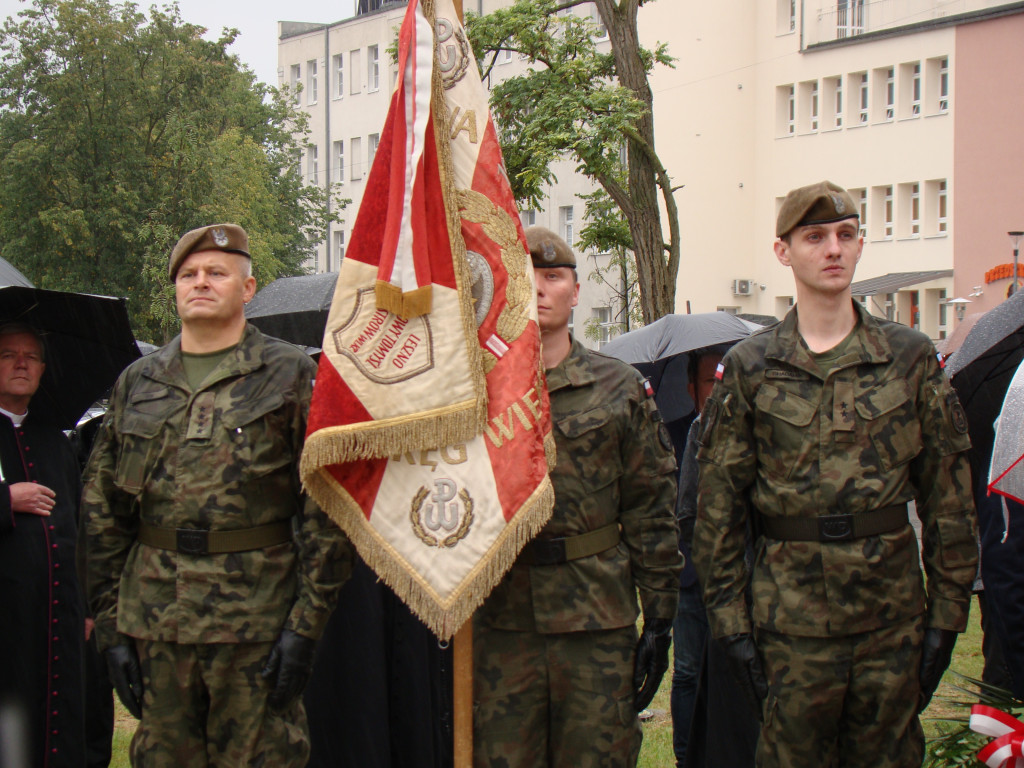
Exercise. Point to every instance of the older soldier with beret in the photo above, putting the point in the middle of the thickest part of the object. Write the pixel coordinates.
(559, 672)
(209, 572)
(823, 429)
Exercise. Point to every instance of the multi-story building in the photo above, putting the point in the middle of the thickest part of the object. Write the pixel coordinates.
(347, 77)
(913, 105)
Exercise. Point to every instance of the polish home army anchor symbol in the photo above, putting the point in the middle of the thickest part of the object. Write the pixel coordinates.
(442, 518)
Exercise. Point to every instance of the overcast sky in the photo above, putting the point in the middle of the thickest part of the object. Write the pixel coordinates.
(256, 20)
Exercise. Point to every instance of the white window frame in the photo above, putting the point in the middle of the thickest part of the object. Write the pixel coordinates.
(887, 212)
(372, 68)
(605, 326)
(338, 66)
(890, 93)
(338, 161)
(354, 85)
(312, 163)
(312, 76)
(339, 248)
(566, 219)
(942, 207)
(528, 217)
(849, 18)
(864, 100)
(915, 210)
(944, 84)
(294, 81)
(372, 142)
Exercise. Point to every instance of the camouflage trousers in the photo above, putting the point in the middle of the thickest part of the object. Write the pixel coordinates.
(842, 702)
(205, 706)
(561, 701)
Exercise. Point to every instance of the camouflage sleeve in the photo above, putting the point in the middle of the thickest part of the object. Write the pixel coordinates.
(648, 492)
(109, 524)
(325, 552)
(728, 466)
(942, 477)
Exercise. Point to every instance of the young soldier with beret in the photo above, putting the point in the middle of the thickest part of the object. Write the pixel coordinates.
(822, 429)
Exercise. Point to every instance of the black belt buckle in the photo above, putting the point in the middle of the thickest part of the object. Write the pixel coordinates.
(547, 551)
(193, 541)
(835, 527)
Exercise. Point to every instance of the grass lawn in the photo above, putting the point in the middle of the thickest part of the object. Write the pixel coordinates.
(657, 746)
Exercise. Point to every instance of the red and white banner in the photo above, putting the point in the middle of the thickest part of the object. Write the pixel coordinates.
(439, 511)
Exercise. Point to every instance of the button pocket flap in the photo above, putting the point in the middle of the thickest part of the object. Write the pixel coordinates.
(784, 405)
(882, 399)
(147, 394)
(249, 411)
(578, 424)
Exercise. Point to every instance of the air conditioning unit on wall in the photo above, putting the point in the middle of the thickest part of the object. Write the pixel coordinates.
(742, 287)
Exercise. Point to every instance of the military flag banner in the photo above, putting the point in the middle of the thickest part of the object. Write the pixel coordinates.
(434, 324)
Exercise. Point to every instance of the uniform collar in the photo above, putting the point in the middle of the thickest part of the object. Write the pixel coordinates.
(867, 345)
(574, 371)
(245, 358)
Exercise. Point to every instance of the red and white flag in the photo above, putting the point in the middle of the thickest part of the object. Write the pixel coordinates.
(434, 315)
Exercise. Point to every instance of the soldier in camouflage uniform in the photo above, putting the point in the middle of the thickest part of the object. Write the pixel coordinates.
(822, 429)
(559, 673)
(210, 573)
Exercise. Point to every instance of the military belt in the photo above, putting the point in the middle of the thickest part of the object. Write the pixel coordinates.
(836, 527)
(197, 541)
(566, 548)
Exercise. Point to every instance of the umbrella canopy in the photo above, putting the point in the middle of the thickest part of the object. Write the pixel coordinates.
(956, 339)
(1006, 470)
(294, 308)
(88, 339)
(661, 352)
(9, 275)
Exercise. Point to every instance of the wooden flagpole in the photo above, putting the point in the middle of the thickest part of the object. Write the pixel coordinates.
(462, 656)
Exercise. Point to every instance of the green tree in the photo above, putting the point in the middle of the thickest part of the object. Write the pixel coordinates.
(120, 131)
(596, 107)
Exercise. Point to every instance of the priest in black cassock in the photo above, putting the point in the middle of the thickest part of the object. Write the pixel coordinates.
(42, 615)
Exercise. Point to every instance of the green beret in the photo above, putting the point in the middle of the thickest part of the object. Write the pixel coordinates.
(229, 238)
(547, 249)
(821, 203)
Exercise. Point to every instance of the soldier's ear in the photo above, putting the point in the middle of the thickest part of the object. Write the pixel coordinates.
(782, 252)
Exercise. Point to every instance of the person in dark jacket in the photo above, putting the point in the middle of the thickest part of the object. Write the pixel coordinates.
(42, 610)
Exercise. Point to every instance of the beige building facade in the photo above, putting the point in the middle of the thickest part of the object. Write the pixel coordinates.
(904, 102)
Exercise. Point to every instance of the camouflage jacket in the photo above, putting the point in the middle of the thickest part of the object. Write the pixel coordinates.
(883, 428)
(614, 464)
(222, 457)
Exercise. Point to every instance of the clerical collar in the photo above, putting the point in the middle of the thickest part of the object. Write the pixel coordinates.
(16, 418)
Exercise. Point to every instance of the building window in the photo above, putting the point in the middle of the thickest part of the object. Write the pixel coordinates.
(505, 56)
(940, 204)
(887, 212)
(837, 101)
(603, 323)
(372, 68)
(915, 210)
(373, 141)
(890, 93)
(814, 105)
(338, 161)
(528, 218)
(353, 82)
(311, 77)
(785, 109)
(355, 146)
(849, 18)
(294, 79)
(915, 90)
(944, 85)
(863, 103)
(600, 30)
(565, 215)
(861, 198)
(338, 65)
(312, 161)
(339, 248)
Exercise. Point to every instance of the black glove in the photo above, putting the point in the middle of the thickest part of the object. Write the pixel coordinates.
(936, 651)
(289, 667)
(651, 660)
(745, 663)
(126, 675)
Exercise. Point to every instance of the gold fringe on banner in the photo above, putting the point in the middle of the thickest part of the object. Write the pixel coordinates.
(443, 616)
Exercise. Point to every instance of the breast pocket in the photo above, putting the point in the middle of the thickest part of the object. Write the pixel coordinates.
(259, 434)
(786, 442)
(140, 425)
(590, 441)
(891, 422)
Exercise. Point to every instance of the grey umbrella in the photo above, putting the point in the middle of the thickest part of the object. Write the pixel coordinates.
(660, 351)
(1006, 471)
(294, 308)
(9, 275)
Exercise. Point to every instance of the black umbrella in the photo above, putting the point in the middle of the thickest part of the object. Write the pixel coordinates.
(294, 308)
(661, 350)
(88, 339)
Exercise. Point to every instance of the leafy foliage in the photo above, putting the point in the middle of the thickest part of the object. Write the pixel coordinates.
(581, 101)
(119, 132)
(957, 744)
